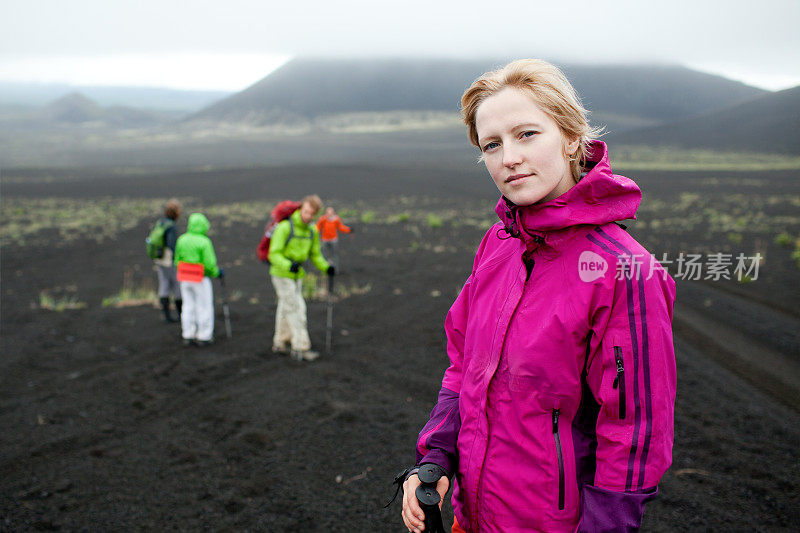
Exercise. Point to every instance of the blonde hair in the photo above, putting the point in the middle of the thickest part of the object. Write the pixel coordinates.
(313, 200)
(172, 209)
(550, 90)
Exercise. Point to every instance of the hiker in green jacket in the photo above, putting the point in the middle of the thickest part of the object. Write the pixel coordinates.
(294, 241)
(197, 264)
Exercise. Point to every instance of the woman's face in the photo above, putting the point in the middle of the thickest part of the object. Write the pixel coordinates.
(523, 148)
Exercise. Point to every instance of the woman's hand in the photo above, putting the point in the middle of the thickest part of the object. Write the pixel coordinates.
(413, 517)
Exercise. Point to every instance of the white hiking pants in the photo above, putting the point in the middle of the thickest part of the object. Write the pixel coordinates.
(291, 323)
(197, 318)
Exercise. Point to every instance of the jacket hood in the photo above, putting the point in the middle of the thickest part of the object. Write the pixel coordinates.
(198, 223)
(598, 198)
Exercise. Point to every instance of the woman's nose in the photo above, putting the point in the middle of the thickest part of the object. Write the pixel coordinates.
(511, 156)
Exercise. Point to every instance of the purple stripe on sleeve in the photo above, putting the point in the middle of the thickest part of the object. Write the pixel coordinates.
(645, 365)
(648, 407)
(637, 413)
(437, 440)
(602, 245)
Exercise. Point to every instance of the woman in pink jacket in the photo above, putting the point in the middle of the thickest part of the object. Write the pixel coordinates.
(556, 412)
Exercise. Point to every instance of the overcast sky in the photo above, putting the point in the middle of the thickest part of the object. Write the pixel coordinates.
(230, 44)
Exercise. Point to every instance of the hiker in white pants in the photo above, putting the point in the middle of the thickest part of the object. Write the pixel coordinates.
(294, 241)
(197, 318)
(291, 322)
(197, 265)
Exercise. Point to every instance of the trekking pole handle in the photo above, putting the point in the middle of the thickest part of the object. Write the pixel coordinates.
(429, 498)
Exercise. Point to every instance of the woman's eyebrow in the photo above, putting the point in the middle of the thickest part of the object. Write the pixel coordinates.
(527, 125)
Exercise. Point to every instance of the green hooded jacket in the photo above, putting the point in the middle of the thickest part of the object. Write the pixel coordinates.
(303, 245)
(194, 247)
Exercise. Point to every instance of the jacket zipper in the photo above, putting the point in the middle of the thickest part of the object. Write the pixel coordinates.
(557, 438)
(619, 381)
(529, 270)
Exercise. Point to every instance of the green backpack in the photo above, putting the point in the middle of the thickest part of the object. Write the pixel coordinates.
(155, 241)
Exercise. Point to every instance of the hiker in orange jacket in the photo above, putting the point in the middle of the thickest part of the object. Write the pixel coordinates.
(329, 225)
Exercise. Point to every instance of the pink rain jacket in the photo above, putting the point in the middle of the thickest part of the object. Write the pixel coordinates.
(556, 413)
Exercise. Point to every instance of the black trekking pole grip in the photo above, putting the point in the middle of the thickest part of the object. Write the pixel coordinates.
(428, 497)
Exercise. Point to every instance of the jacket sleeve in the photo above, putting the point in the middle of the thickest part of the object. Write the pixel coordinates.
(316, 252)
(342, 227)
(210, 260)
(178, 252)
(437, 440)
(631, 373)
(277, 244)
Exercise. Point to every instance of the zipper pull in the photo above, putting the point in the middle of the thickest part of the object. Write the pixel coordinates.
(620, 367)
(556, 412)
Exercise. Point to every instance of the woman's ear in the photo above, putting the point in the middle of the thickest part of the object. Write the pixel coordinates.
(571, 146)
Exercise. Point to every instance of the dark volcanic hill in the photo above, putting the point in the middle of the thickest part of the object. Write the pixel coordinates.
(306, 88)
(769, 123)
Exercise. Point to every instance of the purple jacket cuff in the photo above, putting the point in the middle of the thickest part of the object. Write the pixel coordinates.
(437, 440)
(440, 458)
(607, 510)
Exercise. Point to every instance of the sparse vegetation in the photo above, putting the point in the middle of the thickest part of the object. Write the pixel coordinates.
(402, 217)
(735, 238)
(315, 288)
(783, 239)
(25, 220)
(132, 294)
(59, 303)
(672, 158)
(311, 286)
(434, 221)
(796, 252)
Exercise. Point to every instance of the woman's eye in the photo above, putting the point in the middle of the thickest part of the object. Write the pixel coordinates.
(529, 133)
(490, 146)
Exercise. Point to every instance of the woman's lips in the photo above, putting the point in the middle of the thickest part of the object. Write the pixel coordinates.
(516, 177)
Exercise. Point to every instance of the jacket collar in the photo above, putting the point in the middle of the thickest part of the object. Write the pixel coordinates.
(297, 220)
(598, 198)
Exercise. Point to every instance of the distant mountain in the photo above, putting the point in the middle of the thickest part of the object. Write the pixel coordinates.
(73, 108)
(76, 109)
(769, 124)
(629, 96)
(659, 93)
(39, 94)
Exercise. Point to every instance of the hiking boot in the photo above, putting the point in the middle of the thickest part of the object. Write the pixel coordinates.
(304, 355)
(282, 349)
(165, 309)
(209, 342)
(188, 342)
